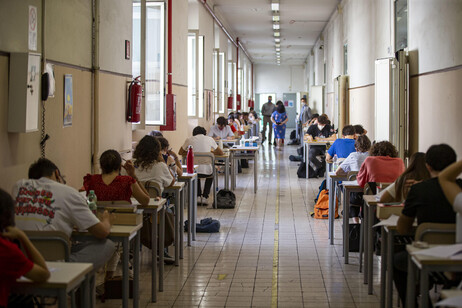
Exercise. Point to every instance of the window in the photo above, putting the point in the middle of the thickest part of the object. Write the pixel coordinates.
(400, 24)
(345, 59)
(150, 65)
(216, 83)
(222, 83)
(195, 75)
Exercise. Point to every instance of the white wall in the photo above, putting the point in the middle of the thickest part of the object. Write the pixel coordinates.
(278, 79)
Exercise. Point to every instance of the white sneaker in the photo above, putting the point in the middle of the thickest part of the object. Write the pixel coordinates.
(199, 201)
(207, 201)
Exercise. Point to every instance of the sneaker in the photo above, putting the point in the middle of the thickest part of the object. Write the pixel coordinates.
(208, 200)
(269, 142)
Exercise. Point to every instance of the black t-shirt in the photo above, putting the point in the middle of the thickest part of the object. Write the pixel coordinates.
(314, 131)
(427, 202)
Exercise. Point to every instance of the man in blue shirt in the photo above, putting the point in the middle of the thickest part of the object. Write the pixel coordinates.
(344, 146)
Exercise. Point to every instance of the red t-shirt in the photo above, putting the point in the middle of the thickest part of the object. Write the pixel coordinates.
(380, 169)
(119, 189)
(13, 264)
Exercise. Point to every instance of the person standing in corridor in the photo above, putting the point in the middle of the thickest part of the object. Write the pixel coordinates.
(267, 110)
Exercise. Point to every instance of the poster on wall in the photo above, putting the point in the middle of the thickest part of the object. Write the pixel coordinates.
(68, 101)
(208, 105)
(291, 104)
(32, 28)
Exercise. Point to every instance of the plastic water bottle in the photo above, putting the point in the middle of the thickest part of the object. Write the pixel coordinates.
(190, 160)
(220, 144)
(334, 164)
(92, 201)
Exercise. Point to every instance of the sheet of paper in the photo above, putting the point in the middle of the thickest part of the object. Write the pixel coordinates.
(455, 301)
(443, 251)
(350, 182)
(390, 221)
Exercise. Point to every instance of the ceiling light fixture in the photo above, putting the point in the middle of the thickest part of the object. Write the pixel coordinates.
(277, 45)
(277, 34)
(277, 40)
(278, 49)
(275, 5)
(276, 17)
(276, 26)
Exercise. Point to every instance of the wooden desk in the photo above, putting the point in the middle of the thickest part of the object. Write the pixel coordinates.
(124, 234)
(426, 265)
(331, 180)
(370, 203)
(65, 277)
(246, 153)
(224, 158)
(307, 145)
(154, 208)
(191, 180)
(177, 189)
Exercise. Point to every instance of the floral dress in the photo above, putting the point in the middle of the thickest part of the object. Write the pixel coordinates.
(279, 130)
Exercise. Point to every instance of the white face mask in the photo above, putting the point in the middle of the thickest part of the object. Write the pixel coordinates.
(320, 127)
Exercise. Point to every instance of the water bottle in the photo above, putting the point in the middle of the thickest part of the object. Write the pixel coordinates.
(190, 160)
(91, 200)
(220, 144)
(334, 164)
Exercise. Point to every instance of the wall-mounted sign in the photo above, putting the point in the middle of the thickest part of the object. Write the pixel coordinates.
(33, 27)
(68, 101)
(127, 49)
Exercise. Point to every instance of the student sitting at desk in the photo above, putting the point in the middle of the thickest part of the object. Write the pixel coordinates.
(149, 163)
(14, 263)
(344, 146)
(62, 208)
(110, 185)
(453, 192)
(426, 202)
(359, 130)
(205, 144)
(221, 130)
(416, 172)
(322, 131)
(382, 165)
(170, 158)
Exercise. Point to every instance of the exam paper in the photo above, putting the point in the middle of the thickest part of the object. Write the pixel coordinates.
(390, 221)
(455, 301)
(443, 251)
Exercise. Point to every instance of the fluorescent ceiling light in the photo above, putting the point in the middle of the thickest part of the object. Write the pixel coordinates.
(276, 26)
(277, 34)
(277, 40)
(277, 45)
(276, 17)
(275, 6)
(278, 49)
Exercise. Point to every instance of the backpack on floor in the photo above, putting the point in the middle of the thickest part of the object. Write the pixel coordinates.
(301, 171)
(321, 208)
(321, 188)
(207, 225)
(293, 134)
(226, 199)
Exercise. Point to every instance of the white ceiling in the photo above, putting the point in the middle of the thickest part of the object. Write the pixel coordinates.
(301, 23)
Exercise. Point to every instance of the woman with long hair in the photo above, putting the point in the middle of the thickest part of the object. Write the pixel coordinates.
(415, 173)
(279, 119)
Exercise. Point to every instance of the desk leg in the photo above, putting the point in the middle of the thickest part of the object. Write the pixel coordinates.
(424, 287)
(370, 254)
(410, 291)
(85, 295)
(361, 246)
(307, 160)
(227, 173)
(194, 217)
(154, 257)
(136, 272)
(190, 208)
(366, 241)
(161, 249)
(181, 230)
(390, 252)
(62, 298)
(125, 283)
(346, 227)
(383, 268)
(255, 171)
(329, 183)
(233, 172)
(177, 227)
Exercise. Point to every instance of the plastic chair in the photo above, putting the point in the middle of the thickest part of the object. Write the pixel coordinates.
(153, 189)
(351, 175)
(208, 158)
(436, 233)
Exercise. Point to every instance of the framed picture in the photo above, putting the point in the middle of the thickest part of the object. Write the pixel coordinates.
(68, 101)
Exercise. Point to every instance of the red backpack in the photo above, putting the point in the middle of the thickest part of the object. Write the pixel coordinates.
(321, 208)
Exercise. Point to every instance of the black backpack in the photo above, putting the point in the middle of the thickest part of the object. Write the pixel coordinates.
(226, 199)
(207, 225)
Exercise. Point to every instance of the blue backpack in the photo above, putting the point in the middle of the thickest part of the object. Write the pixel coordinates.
(321, 188)
(207, 225)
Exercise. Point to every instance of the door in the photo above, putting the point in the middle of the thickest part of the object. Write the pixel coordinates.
(290, 102)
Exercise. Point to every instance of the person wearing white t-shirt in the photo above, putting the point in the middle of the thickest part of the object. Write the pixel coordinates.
(44, 203)
(453, 192)
(202, 143)
(221, 130)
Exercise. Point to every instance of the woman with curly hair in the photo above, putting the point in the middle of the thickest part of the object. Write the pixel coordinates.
(416, 172)
(149, 163)
(382, 165)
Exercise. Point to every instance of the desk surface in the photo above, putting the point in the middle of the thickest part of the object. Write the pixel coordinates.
(225, 155)
(187, 176)
(63, 275)
(175, 186)
(429, 260)
(153, 204)
(336, 176)
(318, 142)
(450, 293)
(370, 199)
(116, 231)
(239, 148)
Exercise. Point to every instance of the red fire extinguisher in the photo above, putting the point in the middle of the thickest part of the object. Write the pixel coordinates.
(135, 93)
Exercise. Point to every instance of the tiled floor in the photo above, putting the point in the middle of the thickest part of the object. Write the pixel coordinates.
(244, 266)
